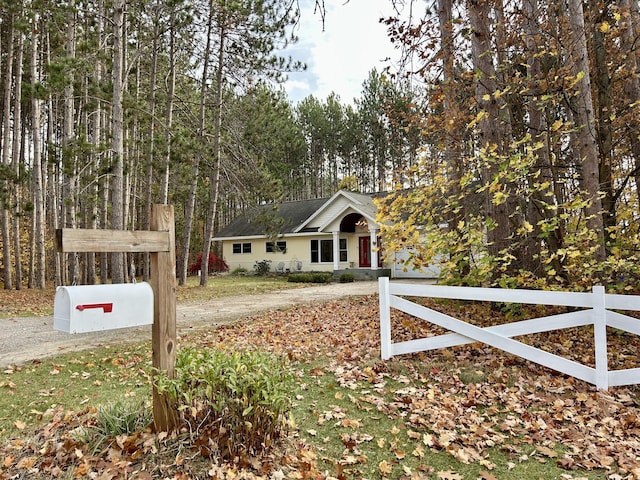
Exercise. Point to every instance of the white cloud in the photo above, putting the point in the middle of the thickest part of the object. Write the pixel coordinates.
(339, 58)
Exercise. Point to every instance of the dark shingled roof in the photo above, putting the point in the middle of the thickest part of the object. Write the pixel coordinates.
(293, 213)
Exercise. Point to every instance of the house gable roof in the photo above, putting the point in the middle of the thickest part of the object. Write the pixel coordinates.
(293, 214)
(300, 216)
(342, 201)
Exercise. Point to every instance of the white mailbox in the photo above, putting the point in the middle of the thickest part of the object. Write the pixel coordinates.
(91, 308)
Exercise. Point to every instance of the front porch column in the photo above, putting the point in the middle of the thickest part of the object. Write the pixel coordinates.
(336, 251)
(374, 248)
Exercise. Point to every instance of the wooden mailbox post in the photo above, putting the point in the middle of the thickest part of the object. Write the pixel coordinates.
(160, 243)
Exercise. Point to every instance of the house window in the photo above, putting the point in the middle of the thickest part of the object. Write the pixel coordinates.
(273, 247)
(343, 249)
(242, 248)
(322, 251)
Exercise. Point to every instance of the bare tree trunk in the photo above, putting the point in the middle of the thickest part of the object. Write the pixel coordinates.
(117, 131)
(170, 95)
(97, 136)
(101, 217)
(6, 144)
(215, 180)
(69, 158)
(130, 136)
(602, 82)
(38, 188)
(541, 205)
(584, 139)
(452, 141)
(105, 272)
(628, 40)
(191, 202)
(16, 154)
(51, 170)
(492, 125)
(152, 128)
(87, 195)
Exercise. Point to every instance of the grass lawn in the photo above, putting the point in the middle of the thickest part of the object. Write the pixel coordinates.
(33, 303)
(463, 413)
(230, 285)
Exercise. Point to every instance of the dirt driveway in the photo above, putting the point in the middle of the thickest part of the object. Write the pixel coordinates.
(25, 339)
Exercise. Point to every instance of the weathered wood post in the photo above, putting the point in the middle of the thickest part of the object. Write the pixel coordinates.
(160, 242)
(163, 338)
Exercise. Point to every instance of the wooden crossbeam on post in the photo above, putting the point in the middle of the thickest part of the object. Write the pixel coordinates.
(160, 243)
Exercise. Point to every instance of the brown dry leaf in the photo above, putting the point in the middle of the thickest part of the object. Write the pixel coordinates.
(81, 470)
(26, 462)
(400, 455)
(428, 440)
(546, 451)
(351, 423)
(487, 464)
(350, 460)
(449, 475)
(567, 463)
(19, 424)
(385, 467)
(487, 476)
(418, 451)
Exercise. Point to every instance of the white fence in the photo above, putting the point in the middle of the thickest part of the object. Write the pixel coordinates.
(598, 311)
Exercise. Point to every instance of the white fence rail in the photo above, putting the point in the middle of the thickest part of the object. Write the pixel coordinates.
(598, 311)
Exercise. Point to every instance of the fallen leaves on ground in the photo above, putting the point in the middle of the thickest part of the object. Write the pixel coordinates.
(27, 302)
(462, 401)
(525, 407)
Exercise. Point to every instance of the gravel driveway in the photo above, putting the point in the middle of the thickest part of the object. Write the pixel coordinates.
(25, 339)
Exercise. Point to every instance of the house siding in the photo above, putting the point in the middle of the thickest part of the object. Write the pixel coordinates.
(298, 250)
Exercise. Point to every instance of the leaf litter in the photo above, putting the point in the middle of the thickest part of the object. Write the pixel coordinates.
(465, 402)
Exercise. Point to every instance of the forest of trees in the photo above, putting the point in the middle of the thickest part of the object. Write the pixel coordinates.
(509, 137)
(110, 106)
(530, 162)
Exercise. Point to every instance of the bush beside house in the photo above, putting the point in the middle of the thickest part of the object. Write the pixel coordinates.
(216, 264)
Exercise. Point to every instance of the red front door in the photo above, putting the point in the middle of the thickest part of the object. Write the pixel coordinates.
(364, 249)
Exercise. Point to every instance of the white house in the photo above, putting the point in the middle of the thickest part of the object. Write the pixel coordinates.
(337, 234)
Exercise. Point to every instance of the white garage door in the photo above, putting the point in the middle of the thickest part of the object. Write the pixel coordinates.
(400, 270)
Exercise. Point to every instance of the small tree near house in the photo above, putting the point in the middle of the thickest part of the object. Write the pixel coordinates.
(216, 264)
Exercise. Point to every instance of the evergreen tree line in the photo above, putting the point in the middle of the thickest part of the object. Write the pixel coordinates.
(530, 167)
(509, 139)
(110, 106)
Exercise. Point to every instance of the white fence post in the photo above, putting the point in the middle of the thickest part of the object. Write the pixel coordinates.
(385, 318)
(600, 337)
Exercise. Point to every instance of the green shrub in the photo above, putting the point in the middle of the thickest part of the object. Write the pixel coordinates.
(322, 277)
(311, 277)
(347, 277)
(262, 267)
(299, 278)
(233, 404)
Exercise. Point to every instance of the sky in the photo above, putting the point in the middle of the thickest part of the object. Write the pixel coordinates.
(339, 58)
